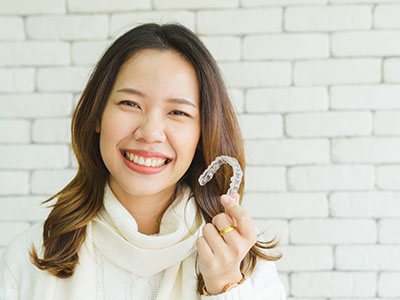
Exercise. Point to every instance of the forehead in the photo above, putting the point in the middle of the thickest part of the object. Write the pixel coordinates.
(159, 73)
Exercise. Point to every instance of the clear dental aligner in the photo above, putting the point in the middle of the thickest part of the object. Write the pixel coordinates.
(236, 179)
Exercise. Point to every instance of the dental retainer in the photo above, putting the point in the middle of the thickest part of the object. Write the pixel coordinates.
(236, 179)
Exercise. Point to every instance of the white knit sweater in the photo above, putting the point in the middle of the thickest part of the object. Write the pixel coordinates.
(18, 276)
(113, 280)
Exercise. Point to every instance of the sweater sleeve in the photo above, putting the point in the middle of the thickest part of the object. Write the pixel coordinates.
(8, 283)
(16, 269)
(264, 284)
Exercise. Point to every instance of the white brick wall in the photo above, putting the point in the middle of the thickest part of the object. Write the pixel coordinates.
(315, 83)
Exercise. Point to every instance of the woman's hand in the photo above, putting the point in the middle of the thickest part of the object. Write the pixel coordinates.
(220, 256)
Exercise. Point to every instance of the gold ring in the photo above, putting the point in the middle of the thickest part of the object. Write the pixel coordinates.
(227, 229)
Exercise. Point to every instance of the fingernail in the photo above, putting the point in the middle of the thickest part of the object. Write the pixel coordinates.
(236, 196)
(225, 199)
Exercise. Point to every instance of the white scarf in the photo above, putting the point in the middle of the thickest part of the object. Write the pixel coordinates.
(114, 232)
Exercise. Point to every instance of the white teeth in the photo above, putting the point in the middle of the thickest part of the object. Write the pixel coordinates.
(148, 162)
(141, 161)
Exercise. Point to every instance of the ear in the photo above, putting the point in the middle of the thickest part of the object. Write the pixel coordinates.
(97, 128)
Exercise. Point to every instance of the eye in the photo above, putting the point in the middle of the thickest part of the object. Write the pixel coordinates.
(179, 113)
(129, 103)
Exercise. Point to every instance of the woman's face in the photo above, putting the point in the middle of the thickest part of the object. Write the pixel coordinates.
(150, 127)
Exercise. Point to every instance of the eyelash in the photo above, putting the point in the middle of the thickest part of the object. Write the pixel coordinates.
(174, 112)
(129, 103)
(179, 113)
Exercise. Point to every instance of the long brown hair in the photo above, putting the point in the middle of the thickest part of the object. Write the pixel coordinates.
(78, 203)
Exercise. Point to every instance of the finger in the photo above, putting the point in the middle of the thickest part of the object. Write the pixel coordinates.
(203, 248)
(223, 221)
(243, 219)
(214, 240)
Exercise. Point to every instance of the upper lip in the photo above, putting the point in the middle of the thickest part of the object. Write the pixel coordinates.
(147, 154)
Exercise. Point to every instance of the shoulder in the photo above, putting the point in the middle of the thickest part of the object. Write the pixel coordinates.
(16, 262)
(265, 278)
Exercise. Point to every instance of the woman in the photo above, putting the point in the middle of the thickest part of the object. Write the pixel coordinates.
(134, 223)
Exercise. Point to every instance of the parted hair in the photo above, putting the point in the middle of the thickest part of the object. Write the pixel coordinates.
(64, 230)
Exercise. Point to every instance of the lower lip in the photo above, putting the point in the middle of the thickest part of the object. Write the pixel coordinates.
(143, 169)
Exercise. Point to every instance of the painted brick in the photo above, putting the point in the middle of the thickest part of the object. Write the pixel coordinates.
(252, 3)
(251, 21)
(261, 126)
(69, 79)
(287, 152)
(387, 123)
(391, 70)
(331, 177)
(50, 182)
(237, 99)
(387, 16)
(368, 150)
(330, 124)
(337, 71)
(17, 80)
(33, 53)
(14, 131)
(328, 18)
(291, 99)
(264, 179)
(388, 285)
(35, 105)
(366, 43)
(367, 258)
(70, 27)
(333, 231)
(372, 204)
(305, 258)
(40, 157)
(223, 48)
(87, 52)
(389, 231)
(10, 229)
(23, 208)
(387, 177)
(194, 4)
(365, 97)
(92, 6)
(256, 74)
(121, 23)
(11, 28)
(27, 7)
(363, 1)
(333, 284)
(51, 131)
(14, 183)
(286, 205)
(269, 230)
(286, 46)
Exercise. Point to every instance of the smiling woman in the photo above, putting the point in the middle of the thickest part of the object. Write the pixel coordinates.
(134, 223)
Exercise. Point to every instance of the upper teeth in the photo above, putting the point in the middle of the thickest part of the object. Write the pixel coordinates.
(148, 162)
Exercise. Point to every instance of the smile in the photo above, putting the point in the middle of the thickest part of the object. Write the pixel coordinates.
(142, 161)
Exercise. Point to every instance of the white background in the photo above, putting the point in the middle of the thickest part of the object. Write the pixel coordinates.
(316, 87)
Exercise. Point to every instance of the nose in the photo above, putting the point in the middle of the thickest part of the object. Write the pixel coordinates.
(150, 130)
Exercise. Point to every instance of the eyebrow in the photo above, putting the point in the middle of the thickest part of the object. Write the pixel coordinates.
(170, 100)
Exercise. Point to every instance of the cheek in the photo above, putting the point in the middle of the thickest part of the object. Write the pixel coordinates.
(186, 140)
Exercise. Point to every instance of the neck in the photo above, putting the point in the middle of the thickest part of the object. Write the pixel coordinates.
(147, 209)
